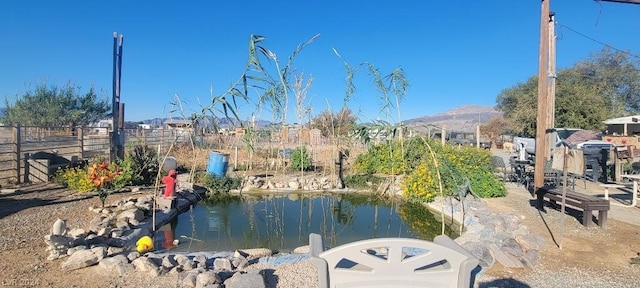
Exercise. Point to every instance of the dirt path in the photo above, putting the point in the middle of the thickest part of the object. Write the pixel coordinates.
(596, 255)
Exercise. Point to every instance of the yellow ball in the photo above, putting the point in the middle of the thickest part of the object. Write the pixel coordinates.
(144, 244)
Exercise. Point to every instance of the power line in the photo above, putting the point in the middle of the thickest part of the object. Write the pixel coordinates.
(597, 41)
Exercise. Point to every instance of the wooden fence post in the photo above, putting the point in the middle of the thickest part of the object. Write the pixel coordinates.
(17, 141)
(80, 142)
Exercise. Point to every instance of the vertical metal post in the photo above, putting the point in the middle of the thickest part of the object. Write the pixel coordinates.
(114, 102)
(116, 141)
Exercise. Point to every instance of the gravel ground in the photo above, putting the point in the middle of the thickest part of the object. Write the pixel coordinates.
(593, 257)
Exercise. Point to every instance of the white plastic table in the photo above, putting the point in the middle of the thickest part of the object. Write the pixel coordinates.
(634, 196)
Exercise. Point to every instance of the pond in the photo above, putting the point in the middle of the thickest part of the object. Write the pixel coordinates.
(282, 222)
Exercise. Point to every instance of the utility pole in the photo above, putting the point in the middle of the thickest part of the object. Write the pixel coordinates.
(543, 108)
(551, 92)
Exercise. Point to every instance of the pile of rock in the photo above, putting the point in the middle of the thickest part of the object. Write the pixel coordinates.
(490, 236)
(291, 183)
(110, 228)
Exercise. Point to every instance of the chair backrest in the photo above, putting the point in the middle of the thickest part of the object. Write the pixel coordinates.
(394, 262)
(497, 161)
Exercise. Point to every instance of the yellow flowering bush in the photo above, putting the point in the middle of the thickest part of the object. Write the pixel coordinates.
(456, 164)
(75, 178)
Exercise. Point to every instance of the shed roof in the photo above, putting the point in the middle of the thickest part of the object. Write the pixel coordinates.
(624, 120)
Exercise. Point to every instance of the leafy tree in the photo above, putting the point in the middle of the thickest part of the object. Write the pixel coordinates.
(495, 127)
(338, 124)
(605, 85)
(55, 106)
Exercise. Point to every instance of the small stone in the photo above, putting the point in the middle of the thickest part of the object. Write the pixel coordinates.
(72, 250)
(506, 259)
(207, 278)
(181, 259)
(115, 233)
(222, 264)
(131, 214)
(189, 279)
(104, 231)
(512, 247)
(59, 227)
(244, 280)
(240, 262)
(169, 262)
(176, 270)
(294, 185)
(111, 262)
(123, 225)
(114, 251)
(144, 264)
(200, 259)
(77, 233)
(133, 256)
(129, 205)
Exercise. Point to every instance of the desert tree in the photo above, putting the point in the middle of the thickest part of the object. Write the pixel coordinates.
(57, 106)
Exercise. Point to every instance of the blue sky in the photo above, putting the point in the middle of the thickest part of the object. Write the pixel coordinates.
(453, 52)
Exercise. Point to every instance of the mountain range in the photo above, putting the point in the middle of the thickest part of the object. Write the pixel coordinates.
(461, 119)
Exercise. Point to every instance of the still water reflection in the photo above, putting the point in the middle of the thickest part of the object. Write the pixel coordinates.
(282, 222)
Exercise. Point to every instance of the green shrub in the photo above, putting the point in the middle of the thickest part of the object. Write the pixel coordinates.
(300, 159)
(362, 181)
(392, 158)
(144, 165)
(76, 178)
(217, 185)
(126, 173)
(421, 183)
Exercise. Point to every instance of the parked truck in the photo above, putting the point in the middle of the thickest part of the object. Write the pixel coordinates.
(529, 144)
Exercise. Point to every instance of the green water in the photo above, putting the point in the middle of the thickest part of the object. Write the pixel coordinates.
(283, 222)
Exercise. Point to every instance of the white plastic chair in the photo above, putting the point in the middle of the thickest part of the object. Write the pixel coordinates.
(393, 262)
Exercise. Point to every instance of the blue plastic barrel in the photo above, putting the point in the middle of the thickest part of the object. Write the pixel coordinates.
(218, 163)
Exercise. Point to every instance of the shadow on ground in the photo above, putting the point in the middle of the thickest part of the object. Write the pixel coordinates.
(40, 195)
(503, 283)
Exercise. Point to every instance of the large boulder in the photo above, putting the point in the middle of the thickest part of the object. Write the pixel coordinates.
(119, 263)
(84, 258)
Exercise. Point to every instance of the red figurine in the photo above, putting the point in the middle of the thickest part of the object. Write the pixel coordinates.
(170, 182)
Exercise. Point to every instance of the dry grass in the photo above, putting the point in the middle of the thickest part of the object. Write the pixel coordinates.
(264, 159)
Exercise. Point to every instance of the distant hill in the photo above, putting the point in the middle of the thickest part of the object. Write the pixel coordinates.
(460, 119)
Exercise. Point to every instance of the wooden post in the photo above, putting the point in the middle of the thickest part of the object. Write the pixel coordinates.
(478, 136)
(543, 108)
(443, 134)
(17, 141)
(618, 168)
(80, 142)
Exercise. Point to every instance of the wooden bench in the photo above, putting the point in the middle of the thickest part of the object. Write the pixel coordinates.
(587, 203)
